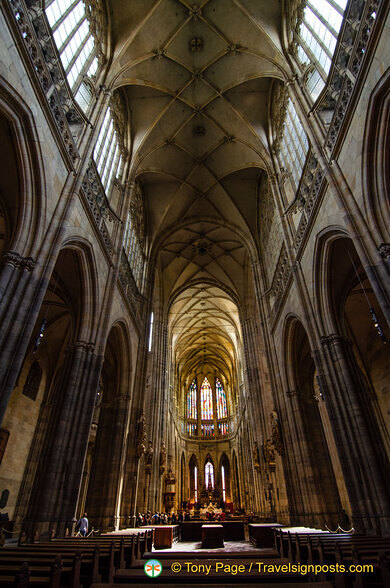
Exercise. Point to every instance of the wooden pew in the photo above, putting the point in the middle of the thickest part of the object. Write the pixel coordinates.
(82, 559)
(341, 548)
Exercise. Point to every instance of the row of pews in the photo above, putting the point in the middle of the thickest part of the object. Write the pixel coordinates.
(73, 561)
(344, 549)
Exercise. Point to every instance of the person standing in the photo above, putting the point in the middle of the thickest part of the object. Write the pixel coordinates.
(82, 525)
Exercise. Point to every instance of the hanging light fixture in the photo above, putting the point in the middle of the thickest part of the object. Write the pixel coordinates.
(372, 311)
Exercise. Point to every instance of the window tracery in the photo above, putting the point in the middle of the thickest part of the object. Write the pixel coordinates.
(291, 143)
(207, 430)
(191, 401)
(77, 28)
(315, 39)
(109, 152)
(134, 239)
(206, 400)
(209, 474)
(221, 400)
(212, 416)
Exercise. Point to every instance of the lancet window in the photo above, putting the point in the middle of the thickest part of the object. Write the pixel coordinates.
(206, 400)
(196, 483)
(209, 474)
(223, 484)
(221, 400)
(191, 401)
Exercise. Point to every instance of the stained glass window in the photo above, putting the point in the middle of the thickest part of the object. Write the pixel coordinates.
(221, 400)
(191, 401)
(222, 428)
(206, 400)
(207, 430)
(191, 429)
(223, 484)
(209, 474)
(196, 483)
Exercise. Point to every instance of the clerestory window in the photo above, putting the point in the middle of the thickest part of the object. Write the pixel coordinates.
(107, 152)
(317, 38)
(206, 400)
(76, 45)
(208, 404)
(291, 142)
(134, 237)
(221, 400)
(191, 401)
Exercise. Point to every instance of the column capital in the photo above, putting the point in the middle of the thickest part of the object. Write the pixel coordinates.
(18, 262)
(384, 251)
(84, 346)
(335, 339)
(291, 81)
(106, 91)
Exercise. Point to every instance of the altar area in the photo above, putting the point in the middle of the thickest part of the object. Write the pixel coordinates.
(211, 509)
(192, 530)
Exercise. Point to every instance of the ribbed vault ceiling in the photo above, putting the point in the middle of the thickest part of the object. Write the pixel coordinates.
(205, 332)
(197, 78)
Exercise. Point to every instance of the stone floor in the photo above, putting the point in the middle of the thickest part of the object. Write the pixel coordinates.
(241, 548)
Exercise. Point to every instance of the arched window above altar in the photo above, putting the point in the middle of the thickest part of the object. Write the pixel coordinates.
(191, 401)
(221, 400)
(223, 484)
(209, 474)
(206, 400)
(205, 408)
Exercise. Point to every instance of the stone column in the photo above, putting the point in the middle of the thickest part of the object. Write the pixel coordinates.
(363, 460)
(298, 462)
(15, 278)
(255, 404)
(148, 472)
(104, 484)
(56, 487)
(156, 414)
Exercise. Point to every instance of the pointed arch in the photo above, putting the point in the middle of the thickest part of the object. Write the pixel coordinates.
(22, 183)
(376, 166)
(224, 465)
(209, 472)
(84, 262)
